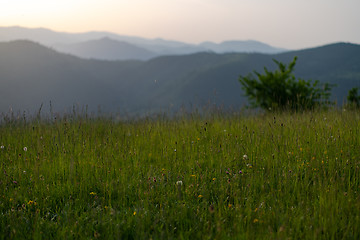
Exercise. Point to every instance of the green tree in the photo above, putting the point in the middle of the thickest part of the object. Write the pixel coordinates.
(280, 90)
(353, 97)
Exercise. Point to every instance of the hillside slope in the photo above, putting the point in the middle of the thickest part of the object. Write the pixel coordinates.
(31, 74)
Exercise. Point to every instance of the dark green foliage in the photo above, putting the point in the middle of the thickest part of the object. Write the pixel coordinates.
(280, 89)
(353, 97)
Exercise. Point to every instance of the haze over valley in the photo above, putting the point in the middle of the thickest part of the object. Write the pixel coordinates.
(111, 46)
(135, 75)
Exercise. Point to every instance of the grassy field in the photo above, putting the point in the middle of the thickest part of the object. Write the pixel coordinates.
(272, 176)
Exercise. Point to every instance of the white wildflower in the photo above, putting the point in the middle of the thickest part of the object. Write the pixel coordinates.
(25, 149)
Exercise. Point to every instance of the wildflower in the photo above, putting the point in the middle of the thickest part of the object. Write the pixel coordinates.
(245, 157)
(200, 196)
(179, 183)
(92, 193)
(25, 149)
(2, 147)
(31, 203)
(134, 213)
(14, 182)
(256, 220)
(193, 175)
(211, 209)
(230, 205)
(175, 150)
(214, 179)
(240, 172)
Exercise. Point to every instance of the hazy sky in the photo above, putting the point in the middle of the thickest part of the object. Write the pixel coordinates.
(291, 24)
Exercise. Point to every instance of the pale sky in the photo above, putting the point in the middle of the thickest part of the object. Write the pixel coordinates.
(291, 24)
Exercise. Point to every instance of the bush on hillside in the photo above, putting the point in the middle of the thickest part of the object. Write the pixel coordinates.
(354, 98)
(280, 90)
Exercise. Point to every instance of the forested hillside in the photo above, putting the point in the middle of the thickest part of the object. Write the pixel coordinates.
(31, 75)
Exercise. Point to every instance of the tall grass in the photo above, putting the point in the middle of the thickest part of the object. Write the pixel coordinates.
(221, 177)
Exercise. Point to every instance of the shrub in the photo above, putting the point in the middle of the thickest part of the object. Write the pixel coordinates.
(353, 98)
(280, 90)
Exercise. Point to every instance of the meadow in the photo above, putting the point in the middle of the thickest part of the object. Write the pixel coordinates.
(231, 176)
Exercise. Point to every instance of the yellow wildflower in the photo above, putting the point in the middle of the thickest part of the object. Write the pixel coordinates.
(31, 202)
(200, 196)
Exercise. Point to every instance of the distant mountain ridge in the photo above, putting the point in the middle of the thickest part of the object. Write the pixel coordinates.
(31, 74)
(93, 44)
(106, 49)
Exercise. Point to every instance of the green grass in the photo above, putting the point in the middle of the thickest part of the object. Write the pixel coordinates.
(82, 178)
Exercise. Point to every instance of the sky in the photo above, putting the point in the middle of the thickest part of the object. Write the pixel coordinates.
(292, 24)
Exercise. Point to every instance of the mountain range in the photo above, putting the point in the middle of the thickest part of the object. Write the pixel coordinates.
(110, 46)
(32, 74)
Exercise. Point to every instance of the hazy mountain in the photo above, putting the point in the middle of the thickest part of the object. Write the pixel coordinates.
(241, 46)
(80, 44)
(31, 74)
(105, 49)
